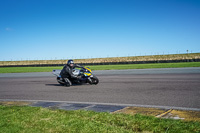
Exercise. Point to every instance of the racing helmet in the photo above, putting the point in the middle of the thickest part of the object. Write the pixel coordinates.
(70, 62)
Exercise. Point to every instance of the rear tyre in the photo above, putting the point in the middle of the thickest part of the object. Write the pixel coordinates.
(60, 81)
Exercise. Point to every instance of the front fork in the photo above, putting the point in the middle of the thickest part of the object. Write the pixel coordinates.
(90, 80)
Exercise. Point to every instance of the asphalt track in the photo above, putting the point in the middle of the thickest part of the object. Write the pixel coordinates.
(177, 88)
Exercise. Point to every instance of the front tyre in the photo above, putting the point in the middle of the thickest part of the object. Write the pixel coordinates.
(95, 80)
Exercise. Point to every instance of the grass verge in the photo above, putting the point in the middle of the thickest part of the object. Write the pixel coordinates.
(102, 67)
(37, 119)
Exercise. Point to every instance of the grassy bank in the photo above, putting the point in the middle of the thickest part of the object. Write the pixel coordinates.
(36, 119)
(102, 67)
(105, 60)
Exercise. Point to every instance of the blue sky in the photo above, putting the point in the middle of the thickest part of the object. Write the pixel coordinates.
(63, 29)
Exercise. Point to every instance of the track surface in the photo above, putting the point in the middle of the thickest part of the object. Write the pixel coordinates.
(156, 87)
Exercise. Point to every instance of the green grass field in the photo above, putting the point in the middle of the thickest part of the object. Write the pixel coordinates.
(26, 119)
(101, 67)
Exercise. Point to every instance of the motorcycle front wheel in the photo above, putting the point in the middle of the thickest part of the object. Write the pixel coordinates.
(95, 80)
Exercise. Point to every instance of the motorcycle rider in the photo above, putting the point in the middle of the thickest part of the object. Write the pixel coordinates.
(66, 73)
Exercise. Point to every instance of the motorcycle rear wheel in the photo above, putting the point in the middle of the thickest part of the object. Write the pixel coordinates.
(61, 82)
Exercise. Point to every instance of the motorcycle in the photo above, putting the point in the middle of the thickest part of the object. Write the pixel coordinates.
(85, 73)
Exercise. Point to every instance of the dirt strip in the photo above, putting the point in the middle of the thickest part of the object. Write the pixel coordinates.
(163, 113)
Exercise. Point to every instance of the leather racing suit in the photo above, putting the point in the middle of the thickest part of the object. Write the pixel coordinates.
(67, 75)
